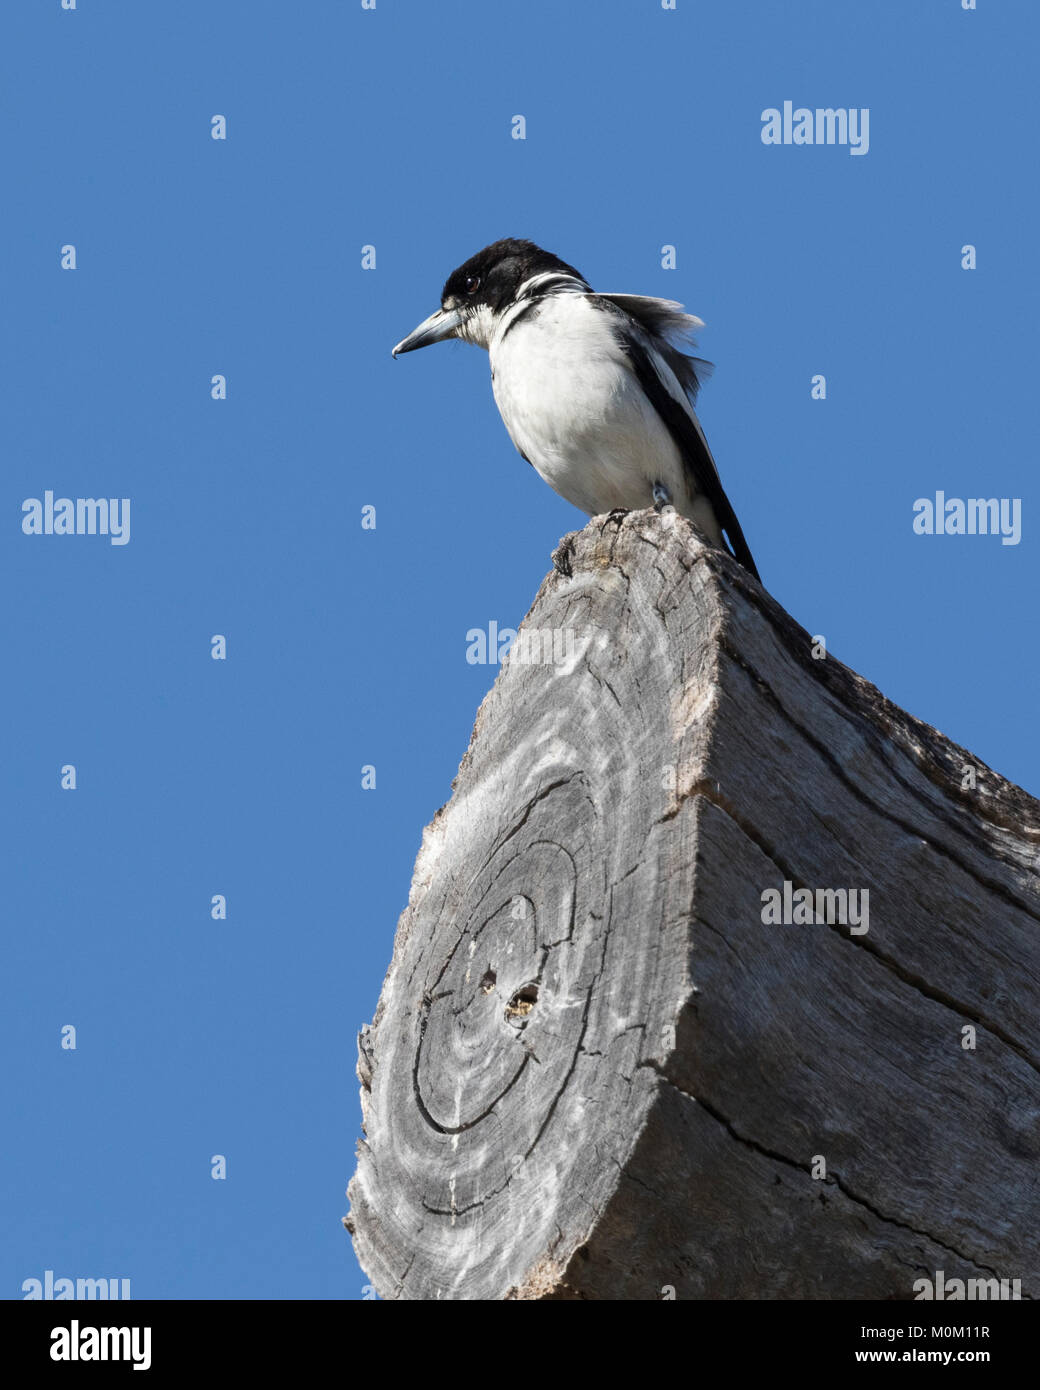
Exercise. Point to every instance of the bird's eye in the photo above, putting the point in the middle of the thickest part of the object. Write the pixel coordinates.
(472, 284)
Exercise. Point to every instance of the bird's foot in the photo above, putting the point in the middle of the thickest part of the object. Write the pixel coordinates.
(662, 499)
(561, 556)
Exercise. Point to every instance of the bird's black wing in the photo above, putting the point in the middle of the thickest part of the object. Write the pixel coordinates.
(658, 318)
(665, 320)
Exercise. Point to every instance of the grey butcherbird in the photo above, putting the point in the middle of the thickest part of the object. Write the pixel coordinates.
(593, 388)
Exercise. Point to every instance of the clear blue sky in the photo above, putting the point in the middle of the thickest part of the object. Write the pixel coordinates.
(345, 647)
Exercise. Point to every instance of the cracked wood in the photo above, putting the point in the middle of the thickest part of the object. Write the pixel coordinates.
(594, 1072)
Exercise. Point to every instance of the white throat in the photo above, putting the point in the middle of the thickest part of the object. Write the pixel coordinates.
(477, 327)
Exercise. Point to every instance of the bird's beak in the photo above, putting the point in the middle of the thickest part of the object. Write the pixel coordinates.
(435, 329)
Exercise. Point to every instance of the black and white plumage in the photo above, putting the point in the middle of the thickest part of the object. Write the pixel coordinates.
(595, 390)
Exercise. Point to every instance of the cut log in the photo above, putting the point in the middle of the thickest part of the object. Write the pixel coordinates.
(601, 1067)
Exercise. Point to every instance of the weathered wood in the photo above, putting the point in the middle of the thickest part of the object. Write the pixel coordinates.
(596, 1072)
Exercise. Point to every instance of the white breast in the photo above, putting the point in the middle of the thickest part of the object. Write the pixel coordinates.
(575, 408)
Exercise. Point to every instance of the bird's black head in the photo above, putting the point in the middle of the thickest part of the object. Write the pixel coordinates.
(481, 289)
(494, 276)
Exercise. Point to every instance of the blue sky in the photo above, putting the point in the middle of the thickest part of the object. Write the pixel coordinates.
(346, 647)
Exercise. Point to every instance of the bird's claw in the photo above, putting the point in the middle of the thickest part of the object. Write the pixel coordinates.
(662, 499)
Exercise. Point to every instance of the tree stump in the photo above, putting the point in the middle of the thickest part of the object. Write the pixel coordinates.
(601, 1068)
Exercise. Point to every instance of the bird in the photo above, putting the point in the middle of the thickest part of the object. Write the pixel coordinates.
(595, 390)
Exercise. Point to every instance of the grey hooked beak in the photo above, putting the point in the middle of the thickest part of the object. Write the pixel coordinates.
(435, 329)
